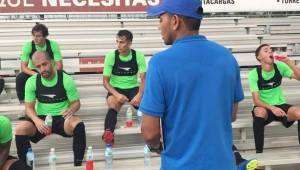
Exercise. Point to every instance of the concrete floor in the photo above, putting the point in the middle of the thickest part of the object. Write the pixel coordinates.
(287, 167)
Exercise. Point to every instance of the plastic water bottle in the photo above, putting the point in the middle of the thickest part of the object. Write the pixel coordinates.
(147, 157)
(52, 159)
(139, 115)
(108, 157)
(30, 158)
(48, 123)
(129, 122)
(90, 159)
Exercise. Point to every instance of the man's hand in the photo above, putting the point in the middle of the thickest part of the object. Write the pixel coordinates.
(41, 127)
(67, 113)
(136, 100)
(278, 112)
(282, 58)
(121, 98)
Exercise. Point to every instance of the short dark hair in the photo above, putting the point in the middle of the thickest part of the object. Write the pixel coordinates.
(191, 23)
(125, 33)
(40, 28)
(258, 50)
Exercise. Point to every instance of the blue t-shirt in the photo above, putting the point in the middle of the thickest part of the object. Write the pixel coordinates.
(192, 86)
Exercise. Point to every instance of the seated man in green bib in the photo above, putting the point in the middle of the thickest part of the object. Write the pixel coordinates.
(8, 162)
(39, 43)
(50, 92)
(268, 99)
(122, 68)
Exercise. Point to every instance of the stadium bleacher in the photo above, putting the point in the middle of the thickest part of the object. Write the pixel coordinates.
(93, 38)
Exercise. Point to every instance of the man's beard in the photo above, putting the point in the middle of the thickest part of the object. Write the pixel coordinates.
(46, 74)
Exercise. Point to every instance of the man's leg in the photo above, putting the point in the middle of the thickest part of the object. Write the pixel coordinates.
(237, 155)
(293, 114)
(131, 94)
(23, 132)
(111, 119)
(298, 131)
(259, 115)
(15, 164)
(20, 85)
(1, 85)
(242, 163)
(73, 126)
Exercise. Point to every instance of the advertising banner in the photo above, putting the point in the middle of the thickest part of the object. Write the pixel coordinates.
(138, 6)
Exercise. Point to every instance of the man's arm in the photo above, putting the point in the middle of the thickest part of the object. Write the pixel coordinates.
(121, 98)
(31, 113)
(57, 55)
(151, 130)
(25, 69)
(74, 107)
(4, 151)
(59, 65)
(234, 111)
(138, 97)
(257, 102)
(294, 67)
(142, 85)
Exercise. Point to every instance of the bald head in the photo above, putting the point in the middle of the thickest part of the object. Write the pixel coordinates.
(38, 54)
(43, 64)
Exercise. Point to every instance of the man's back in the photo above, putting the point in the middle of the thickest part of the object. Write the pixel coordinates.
(200, 82)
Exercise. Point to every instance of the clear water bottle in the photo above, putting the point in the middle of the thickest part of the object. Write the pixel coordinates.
(129, 122)
(90, 159)
(52, 159)
(30, 158)
(48, 123)
(147, 157)
(108, 157)
(139, 115)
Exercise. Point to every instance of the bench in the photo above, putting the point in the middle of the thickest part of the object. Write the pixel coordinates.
(234, 19)
(252, 48)
(134, 150)
(267, 27)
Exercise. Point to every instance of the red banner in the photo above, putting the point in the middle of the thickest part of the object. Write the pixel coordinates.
(75, 6)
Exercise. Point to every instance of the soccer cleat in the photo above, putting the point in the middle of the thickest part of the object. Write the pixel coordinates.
(108, 137)
(251, 164)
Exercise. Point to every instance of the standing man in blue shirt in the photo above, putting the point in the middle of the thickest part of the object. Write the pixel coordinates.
(193, 89)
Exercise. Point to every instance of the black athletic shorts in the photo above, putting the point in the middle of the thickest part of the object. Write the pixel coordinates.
(57, 128)
(272, 117)
(129, 93)
(19, 165)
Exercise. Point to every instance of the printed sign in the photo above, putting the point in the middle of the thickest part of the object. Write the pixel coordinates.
(121, 6)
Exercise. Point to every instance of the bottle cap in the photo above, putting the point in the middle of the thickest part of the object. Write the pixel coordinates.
(108, 145)
(52, 149)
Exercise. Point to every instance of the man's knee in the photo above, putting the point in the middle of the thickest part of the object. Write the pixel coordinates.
(25, 128)
(260, 112)
(70, 124)
(294, 113)
(113, 103)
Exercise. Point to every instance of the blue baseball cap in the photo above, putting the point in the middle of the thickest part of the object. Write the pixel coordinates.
(188, 8)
